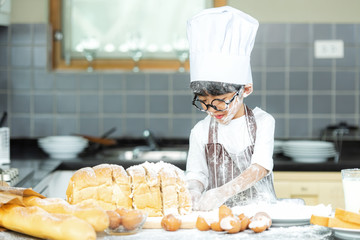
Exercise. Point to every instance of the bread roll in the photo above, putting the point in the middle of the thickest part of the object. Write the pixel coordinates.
(39, 223)
(91, 213)
(106, 184)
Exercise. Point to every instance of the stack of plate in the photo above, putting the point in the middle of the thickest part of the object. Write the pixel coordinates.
(309, 151)
(278, 146)
(63, 147)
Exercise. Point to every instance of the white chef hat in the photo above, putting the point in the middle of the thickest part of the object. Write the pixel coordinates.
(220, 43)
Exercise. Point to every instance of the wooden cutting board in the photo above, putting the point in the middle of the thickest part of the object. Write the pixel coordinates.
(187, 221)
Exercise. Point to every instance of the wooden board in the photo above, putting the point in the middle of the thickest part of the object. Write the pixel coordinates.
(187, 221)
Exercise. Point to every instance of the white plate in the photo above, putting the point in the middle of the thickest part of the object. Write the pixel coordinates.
(63, 155)
(309, 160)
(304, 150)
(329, 154)
(289, 222)
(309, 144)
(344, 233)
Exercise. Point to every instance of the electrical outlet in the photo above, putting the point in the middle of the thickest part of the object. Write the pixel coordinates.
(329, 49)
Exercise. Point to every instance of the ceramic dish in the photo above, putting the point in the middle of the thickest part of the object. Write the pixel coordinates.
(135, 224)
(290, 222)
(344, 233)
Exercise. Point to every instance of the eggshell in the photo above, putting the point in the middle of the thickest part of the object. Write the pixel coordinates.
(224, 211)
(264, 217)
(259, 229)
(244, 222)
(215, 226)
(170, 222)
(201, 224)
(231, 224)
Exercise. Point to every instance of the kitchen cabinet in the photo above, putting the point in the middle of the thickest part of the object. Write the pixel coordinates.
(5, 10)
(313, 187)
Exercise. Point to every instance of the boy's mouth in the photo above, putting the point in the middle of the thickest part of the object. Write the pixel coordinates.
(219, 116)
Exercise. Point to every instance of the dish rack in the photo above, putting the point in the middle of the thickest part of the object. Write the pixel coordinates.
(9, 176)
(336, 134)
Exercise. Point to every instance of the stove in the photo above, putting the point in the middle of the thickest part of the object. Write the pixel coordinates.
(9, 175)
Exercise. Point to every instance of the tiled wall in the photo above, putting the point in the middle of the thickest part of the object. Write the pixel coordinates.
(304, 94)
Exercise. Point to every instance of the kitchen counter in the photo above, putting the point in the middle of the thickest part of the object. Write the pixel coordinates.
(32, 170)
(279, 233)
(34, 165)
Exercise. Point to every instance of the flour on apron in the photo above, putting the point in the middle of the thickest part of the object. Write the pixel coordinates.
(224, 167)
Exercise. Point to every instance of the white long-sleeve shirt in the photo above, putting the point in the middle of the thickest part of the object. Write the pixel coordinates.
(235, 138)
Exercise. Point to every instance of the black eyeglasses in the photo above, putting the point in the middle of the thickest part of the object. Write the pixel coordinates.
(217, 104)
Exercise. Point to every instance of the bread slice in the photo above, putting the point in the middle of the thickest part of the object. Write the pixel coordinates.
(153, 181)
(347, 216)
(106, 185)
(121, 187)
(141, 192)
(338, 223)
(169, 189)
(82, 186)
(319, 220)
(184, 197)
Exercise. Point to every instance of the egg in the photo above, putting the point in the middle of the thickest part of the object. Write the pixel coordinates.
(231, 224)
(132, 219)
(122, 211)
(114, 219)
(170, 222)
(224, 211)
(201, 224)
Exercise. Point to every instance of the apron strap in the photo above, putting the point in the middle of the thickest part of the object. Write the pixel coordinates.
(213, 133)
(251, 124)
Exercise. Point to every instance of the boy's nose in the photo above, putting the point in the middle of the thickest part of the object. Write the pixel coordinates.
(211, 109)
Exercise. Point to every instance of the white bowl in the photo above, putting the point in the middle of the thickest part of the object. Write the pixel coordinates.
(63, 139)
(63, 147)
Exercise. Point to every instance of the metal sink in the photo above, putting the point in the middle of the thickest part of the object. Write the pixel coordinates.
(166, 155)
(154, 155)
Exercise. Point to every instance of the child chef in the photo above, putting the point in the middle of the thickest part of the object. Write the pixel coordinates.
(230, 153)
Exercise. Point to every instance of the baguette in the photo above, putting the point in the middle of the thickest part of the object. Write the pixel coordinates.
(37, 222)
(91, 213)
